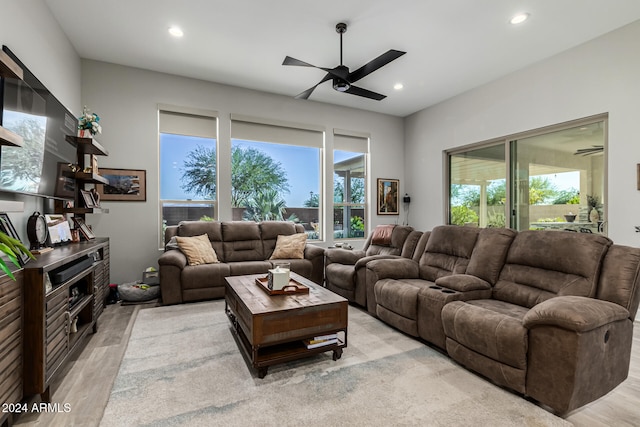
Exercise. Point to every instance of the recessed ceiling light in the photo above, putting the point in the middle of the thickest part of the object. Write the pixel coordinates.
(176, 32)
(519, 18)
(398, 86)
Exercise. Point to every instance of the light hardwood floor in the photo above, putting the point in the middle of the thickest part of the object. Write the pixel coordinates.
(86, 383)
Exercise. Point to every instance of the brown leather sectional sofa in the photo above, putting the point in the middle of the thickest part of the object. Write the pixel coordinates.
(546, 314)
(242, 247)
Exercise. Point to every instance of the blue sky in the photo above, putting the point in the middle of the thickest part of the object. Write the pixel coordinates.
(302, 165)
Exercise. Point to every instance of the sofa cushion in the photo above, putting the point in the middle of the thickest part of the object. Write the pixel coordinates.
(241, 241)
(619, 277)
(203, 276)
(491, 328)
(400, 296)
(544, 264)
(447, 251)
(290, 247)
(197, 249)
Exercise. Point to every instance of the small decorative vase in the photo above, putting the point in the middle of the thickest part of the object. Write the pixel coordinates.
(594, 216)
(84, 133)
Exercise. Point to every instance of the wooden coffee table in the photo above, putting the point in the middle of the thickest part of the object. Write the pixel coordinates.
(270, 329)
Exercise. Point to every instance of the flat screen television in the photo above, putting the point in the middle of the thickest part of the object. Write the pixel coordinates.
(31, 111)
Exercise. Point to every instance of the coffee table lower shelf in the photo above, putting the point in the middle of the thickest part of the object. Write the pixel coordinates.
(263, 357)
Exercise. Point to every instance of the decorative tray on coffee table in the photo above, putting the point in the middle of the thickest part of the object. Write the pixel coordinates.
(294, 287)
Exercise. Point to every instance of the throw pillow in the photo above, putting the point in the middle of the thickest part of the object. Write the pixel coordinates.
(197, 249)
(290, 247)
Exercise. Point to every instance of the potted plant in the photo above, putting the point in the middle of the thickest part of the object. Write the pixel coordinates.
(11, 247)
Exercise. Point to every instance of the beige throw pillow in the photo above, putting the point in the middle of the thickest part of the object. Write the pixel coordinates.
(290, 247)
(197, 249)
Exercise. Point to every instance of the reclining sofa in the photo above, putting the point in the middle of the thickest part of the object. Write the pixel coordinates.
(548, 314)
(345, 269)
(242, 247)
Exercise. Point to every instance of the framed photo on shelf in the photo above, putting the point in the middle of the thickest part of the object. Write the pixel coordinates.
(65, 185)
(59, 230)
(388, 196)
(124, 185)
(7, 227)
(84, 228)
(87, 198)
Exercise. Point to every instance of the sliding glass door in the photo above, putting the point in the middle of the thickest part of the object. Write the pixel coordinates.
(558, 179)
(551, 178)
(477, 192)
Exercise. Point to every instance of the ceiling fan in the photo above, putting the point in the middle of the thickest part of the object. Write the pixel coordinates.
(343, 79)
(595, 149)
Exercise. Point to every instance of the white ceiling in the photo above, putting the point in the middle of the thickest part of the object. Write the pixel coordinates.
(452, 45)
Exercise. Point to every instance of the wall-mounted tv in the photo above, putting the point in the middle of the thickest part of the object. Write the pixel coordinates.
(31, 111)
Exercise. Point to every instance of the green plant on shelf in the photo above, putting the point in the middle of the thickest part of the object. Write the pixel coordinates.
(12, 248)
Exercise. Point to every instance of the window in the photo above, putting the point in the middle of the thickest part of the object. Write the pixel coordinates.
(276, 172)
(187, 167)
(349, 192)
(551, 178)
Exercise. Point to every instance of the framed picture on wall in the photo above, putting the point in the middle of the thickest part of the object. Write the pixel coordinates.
(388, 196)
(124, 185)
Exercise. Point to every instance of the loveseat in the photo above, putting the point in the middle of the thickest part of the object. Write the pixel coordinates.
(345, 268)
(548, 314)
(241, 247)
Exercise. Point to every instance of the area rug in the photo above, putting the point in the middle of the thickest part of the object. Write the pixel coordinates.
(183, 367)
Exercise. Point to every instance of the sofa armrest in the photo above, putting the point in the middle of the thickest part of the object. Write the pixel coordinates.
(396, 268)
(578, 314)
(313, 251)
(387, 268)
(463, 283)
(171, 264)
(343, 256)
(362, 262)
(173, 258)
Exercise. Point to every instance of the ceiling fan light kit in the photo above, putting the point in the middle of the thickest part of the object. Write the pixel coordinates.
(340, 76)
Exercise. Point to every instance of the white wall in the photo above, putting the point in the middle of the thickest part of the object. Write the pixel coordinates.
(127, 100)
(28, 28)
(600, 76)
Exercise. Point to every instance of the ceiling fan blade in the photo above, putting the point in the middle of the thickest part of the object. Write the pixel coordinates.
(373, 65)
(354, 90)
(307, 93)
(337, 72)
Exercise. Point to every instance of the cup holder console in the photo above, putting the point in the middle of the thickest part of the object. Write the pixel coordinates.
(441, 289)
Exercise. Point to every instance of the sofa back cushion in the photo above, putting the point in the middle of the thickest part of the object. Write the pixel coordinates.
(388, 246)
(270, 230)
(544, 264)
(619, 278)
(448, 250)
(241, 241)
(490, 252)
(212, 229)
(410, 244)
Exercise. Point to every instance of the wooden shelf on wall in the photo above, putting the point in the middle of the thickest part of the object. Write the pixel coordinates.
(9, 69)
(87, 145)
(87, 177)
(10, 139)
